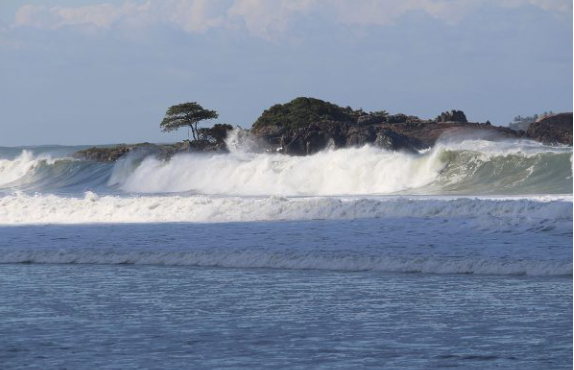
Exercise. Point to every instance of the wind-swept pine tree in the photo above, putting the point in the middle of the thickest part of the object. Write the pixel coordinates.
(186, 114)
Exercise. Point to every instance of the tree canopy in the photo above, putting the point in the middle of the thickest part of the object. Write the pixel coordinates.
(186, 114)
(301, 111)
(216, 134)
(452, 116)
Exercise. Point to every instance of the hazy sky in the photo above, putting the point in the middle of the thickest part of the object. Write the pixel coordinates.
(92, 72)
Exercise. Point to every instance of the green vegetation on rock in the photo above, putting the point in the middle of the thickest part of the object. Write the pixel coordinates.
(301, 112)
(216, 134)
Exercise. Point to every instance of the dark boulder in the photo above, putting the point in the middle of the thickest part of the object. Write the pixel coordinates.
(390, 140)
(361, 135)
(273, 135)
(314, 138)
(555, 129)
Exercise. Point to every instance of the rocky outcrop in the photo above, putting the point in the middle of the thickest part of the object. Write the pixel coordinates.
(113, 153)
(554, 129)
(307, 125)
(210, 139)
(410, 135)
(314, 138)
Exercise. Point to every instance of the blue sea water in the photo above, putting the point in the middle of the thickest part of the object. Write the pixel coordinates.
(166, 317)
(460, 256)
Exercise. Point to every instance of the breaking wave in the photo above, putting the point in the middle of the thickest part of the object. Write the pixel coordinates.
(466, 167)
(44, 173)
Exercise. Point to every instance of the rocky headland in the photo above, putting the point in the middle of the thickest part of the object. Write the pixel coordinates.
(305, 126)
(551, 130)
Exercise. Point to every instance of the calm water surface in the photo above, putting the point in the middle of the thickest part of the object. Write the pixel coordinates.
(158, 317)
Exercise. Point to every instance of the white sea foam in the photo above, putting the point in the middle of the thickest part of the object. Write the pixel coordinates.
(32, 209)
(364, 170)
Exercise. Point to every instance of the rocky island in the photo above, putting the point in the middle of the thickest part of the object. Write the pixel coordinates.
(305, 126)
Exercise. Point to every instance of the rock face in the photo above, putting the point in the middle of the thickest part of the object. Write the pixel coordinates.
(414, 134)
(210, 139)
(306, 125)
(112, 154)
(555, 129)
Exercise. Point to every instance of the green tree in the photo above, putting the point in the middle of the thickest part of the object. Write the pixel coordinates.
(186, 114)
(302, 111)
(216, 134)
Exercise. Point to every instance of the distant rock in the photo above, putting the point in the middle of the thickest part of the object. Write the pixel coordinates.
(305, 126)
(210, 139)
(409, 136)
(554, 129)
(113, 153)
(164, 151)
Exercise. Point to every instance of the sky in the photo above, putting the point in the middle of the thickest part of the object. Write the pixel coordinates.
(95, 72)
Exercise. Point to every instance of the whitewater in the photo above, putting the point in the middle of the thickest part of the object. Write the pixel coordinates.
(508, 204)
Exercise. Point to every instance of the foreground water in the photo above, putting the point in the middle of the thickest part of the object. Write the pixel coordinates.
(459, 256)
(132, 317)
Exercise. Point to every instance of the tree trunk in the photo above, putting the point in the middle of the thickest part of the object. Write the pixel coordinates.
(193, 132)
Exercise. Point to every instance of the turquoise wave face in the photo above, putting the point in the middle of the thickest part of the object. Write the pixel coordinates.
(469, 172)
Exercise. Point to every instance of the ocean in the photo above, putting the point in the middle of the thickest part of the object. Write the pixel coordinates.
(456, 256)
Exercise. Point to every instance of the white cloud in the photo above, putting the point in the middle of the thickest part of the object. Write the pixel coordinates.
(266, 18)
(561, 6)
(99, 15)
(190, 15)
(372, 12)
(262, 18)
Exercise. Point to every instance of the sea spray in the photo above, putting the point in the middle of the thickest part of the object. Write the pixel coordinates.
(364, 170)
